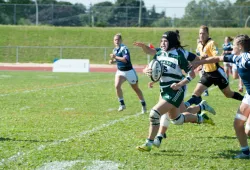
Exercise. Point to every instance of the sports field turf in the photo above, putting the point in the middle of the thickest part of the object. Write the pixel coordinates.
(70, 121)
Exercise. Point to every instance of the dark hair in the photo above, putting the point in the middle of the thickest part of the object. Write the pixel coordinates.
(173, 38)
(230, 38)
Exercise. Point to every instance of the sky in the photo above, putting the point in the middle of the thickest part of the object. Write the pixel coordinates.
(173, 9)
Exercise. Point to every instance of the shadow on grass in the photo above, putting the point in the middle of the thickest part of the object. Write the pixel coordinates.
(165, 152)
(224, 137)
(229, 154)
(20, 140)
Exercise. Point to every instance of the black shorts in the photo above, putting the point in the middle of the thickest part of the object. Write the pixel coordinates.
(218, 78)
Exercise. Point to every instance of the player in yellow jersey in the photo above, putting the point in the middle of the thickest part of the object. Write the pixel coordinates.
(212, 73)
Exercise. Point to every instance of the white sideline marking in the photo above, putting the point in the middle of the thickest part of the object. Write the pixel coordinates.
(87, 132)
(59, 165)
(24, 108)
(96, 165)
(73, 85)
(4, 76)
(69, 109)
(111, 109)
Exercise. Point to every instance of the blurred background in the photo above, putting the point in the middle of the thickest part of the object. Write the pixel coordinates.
(126, 13)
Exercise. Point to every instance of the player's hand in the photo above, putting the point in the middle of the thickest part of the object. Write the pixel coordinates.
(112, 56)
(139, 44)
(111, 61)
(150, 84)
(175, 86)
(147, 71)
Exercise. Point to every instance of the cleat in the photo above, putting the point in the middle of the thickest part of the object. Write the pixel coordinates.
(165, 135)
(143, 109)
(157, 142)
(206, 93)
(206, 119)
(144, 148)
(121, 108)
(241, 156)
(207, 107)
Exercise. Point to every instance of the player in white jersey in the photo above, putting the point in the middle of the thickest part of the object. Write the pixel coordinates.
(171, 87)
(241, 58)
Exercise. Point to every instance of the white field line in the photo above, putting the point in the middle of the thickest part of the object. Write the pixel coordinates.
(42, 147)
(52, 88)
(96, 165)
(80, 135)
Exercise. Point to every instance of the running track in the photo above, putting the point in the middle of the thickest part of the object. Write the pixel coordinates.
(48, 67)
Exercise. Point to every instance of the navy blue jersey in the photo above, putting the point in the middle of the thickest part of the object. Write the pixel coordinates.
(123, 51)
(243, 67)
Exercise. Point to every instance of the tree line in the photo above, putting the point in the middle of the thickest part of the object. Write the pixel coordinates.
(123, 13)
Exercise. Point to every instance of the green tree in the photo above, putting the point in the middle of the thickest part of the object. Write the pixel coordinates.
(208, 12)
(101, 13)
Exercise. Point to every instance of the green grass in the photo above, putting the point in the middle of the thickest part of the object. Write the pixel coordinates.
(52, 118)
(91, 37)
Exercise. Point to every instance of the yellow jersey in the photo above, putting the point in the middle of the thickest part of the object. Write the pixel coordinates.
(210, 49)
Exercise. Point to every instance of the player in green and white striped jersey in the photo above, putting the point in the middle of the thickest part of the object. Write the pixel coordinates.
(172, 88)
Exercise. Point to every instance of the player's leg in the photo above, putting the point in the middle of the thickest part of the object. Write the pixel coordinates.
(247, 127)
(239, 121)
(119, 80)
(197, 118)
(205, 91)
(161, 107)
(202, 106)
(196, 97)
(164, 124)
(223, 84)
(231, 94)
(240, 86)
(132, 78)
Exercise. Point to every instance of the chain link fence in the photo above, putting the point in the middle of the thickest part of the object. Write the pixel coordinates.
(125, 16)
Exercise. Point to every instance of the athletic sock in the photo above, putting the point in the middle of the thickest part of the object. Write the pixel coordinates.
(199, 119)
(237, 96)
(193, 100)
(143, 103)
(121, 101)
(160, 137)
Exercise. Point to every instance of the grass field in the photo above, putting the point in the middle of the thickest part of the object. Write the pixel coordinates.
(91, 37)
(70, 121)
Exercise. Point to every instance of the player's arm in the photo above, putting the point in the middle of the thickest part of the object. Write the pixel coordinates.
(184, 64)
(145, 48)
(190, 76)
(207, 60)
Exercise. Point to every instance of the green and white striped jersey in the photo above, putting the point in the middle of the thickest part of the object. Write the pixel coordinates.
(173, 62)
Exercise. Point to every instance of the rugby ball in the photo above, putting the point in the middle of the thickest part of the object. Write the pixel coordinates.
(157, 70)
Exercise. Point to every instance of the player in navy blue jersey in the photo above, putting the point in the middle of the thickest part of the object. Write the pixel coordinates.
(241, 58)
(125, 72)
(231, 67)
